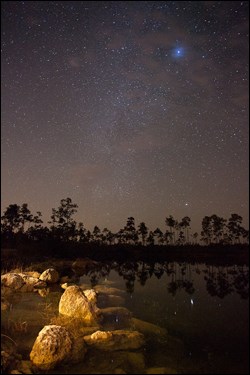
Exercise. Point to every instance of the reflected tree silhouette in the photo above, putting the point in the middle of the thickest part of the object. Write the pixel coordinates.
(181, 278)
(172, 287)
(241, 284)
(225, 280)
(99, 272)
(189, 287)
(130, 285)
(143, 275)
(220, 280)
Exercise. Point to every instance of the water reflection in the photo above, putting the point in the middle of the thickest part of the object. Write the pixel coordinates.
(220, 280)
(201, 337)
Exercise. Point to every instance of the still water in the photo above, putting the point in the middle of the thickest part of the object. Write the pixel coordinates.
(203, 308)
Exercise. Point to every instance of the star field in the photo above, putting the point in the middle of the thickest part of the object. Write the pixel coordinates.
(129, 108)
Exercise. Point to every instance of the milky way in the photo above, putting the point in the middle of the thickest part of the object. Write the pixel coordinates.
(129, 108)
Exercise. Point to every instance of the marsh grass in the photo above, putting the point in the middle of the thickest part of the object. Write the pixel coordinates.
(3, 336)
(16, 327)
(75, 326)
(47, 311)
(13, 268)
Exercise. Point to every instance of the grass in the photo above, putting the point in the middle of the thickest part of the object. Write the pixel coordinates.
(9, 338)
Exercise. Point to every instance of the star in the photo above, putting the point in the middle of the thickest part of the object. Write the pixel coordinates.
(121, 108)
(178, 52)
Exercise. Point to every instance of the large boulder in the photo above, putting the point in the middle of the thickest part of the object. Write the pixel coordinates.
(74, 303)
(52, 346)
(115, 340)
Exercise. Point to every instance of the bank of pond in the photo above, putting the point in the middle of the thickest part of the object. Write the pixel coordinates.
(137, 317)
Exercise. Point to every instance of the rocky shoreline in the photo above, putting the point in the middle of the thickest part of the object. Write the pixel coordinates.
(81, 326)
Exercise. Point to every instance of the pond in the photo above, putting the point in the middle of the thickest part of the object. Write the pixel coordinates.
(203, 308)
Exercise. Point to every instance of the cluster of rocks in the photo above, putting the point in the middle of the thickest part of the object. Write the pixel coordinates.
(69, 342)
(79, 326)
(28, 281)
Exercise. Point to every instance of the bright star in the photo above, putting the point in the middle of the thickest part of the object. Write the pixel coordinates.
(178, 52)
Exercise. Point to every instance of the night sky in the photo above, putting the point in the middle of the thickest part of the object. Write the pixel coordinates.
(130, 108)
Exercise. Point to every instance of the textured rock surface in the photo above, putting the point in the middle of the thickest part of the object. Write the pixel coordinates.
(12, 280)
(115, 340)
(74, 303)
(50, 275)
(52, 346)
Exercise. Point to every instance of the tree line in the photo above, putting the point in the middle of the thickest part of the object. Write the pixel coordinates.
(18, 222)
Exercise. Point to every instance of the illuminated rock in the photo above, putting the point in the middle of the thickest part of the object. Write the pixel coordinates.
(50, 276)
(12, 280)
(115, 340)
(74, 303)
(52, 346)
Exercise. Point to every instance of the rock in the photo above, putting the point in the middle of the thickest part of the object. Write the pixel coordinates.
(64, 285)
(12, 280)
(25, 367)
(4, 360)
(9, 358)
(30, 283)
(91, 295)
(74, 303)
(148, 328)
(136, 362)
(108, 290)
(118, 317)
(88, 330)
(85, 264)
(40, 285)
(29, 280)
(6, 291)
(43, 292)
(79, 349)
(117, 310)
(33, 274)
(64, 279)
(76, 327)
(52, 346)
(111, 300)
(22, 282)
(115, 340)
(50, 276)
(5, 305)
